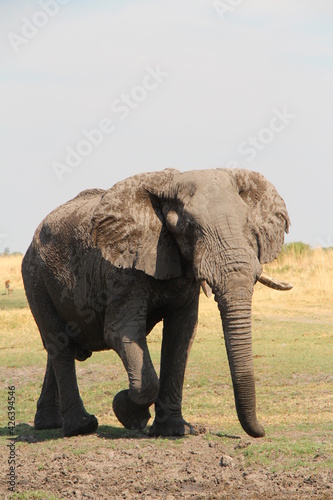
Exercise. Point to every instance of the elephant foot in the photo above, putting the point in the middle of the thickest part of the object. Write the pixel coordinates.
(85, 424)
(130, 415)
(48, 419)
(170, 426)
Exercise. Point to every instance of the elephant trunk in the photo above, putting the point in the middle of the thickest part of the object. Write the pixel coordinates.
(235, 309)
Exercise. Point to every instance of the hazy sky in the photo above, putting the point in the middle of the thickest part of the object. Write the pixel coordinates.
(187, 84)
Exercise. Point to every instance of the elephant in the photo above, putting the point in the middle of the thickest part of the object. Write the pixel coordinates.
(104, 268)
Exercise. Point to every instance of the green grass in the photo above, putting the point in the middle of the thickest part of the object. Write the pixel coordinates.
(288, 455)
(33, 495)
(16, 300)
(293, 368)
(294, 249)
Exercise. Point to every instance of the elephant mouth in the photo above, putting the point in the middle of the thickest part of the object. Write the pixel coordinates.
(264, 279)
(267, 280)
(206, 288)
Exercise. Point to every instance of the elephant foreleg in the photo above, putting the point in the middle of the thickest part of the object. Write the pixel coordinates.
(131, 406)
(126, 334)
(178, 334)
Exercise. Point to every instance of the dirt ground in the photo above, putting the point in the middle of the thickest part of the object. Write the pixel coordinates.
(195, 467)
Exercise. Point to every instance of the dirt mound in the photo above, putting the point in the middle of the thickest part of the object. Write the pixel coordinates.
(196, 467)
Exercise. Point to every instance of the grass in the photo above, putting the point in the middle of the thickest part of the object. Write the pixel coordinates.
(292, 348)
(10, 269)
(15, 300)
(35, 495)
(311, 272)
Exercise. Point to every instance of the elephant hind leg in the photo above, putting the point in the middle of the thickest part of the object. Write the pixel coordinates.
(60, 400)
(48, 415)
(76, 419)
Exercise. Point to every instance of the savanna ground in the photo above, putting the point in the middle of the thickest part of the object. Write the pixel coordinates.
(293, 357)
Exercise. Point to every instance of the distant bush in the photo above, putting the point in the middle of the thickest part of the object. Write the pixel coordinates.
(7, 253)
(295, 249)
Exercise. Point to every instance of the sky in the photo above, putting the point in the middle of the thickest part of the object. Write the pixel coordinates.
(93, 92)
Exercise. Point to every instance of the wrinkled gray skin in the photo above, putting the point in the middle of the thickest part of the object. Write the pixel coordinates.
(105, 267)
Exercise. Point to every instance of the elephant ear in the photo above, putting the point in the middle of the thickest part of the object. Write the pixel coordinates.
(130, 231)
(268, 218)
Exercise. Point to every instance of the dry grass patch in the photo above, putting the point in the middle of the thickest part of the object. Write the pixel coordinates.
(10, 269)
(311, 273)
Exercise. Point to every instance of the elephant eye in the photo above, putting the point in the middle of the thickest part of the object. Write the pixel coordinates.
(186, 223)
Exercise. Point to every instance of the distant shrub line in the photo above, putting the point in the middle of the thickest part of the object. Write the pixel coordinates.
(297, 248)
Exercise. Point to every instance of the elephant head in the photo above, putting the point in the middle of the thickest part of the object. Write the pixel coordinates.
(226, 223)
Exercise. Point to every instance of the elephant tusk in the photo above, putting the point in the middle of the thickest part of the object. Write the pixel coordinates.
(267, 280)
(206, 288)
